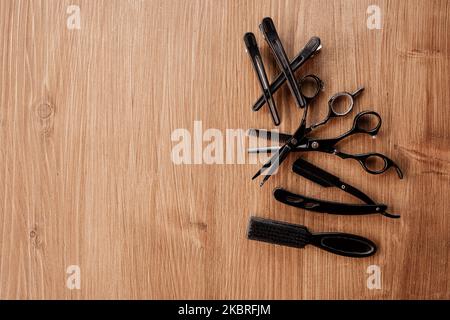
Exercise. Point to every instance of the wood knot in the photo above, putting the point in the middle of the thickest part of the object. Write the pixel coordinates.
(199, 225)
(35, 239)
(45, 110)
(44, 114)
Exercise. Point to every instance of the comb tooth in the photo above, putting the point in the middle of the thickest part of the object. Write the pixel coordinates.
(277, 232)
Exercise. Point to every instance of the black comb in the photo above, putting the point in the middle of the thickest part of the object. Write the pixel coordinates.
(297, 236)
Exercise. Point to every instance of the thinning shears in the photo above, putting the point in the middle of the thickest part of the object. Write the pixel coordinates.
(366, 122)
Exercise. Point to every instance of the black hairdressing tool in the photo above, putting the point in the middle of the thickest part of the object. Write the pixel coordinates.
(301, 142)
(292, 141)
(297, 236)
(311, 48)
(270, 34)
(325, 179)
(333, 112)
(258, 65)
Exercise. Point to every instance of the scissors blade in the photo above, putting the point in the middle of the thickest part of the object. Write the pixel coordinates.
(269, 135)
(281, 154)
(264, 149)
(268, 163)
(265, 166)
(280, 157)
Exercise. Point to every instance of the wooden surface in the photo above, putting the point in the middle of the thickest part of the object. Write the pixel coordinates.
(86, 176)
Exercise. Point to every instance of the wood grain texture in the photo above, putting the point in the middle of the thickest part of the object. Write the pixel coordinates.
(86, 176)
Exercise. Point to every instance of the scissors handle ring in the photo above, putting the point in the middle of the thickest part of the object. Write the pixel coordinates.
(350, 97)
(358, 123)
(316, 82)
(334, 98)
(365, 159)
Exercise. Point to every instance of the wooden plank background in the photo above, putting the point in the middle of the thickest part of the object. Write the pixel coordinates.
(86, 176)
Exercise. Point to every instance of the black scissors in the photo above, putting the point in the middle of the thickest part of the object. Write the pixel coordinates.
(299, 141)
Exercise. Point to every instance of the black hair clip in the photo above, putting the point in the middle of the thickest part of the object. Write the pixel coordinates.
(298, 236)
(269, 31)
(258, 65)
(311, 48)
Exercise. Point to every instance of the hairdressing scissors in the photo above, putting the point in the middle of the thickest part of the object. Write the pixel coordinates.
(299, 141)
